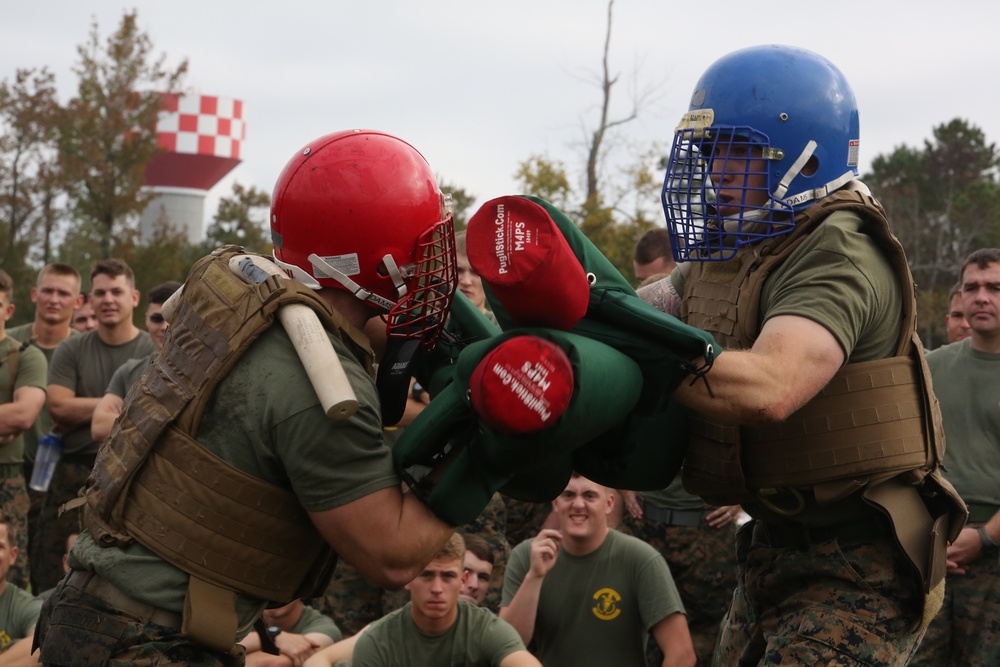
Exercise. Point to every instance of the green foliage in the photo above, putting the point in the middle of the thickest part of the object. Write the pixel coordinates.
(107, 133)
(943, 202)
(28, 184)
(241, 219)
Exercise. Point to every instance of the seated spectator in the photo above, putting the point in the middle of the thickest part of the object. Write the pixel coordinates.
(436, 627)
(297, 630)
(589, 595)
(478, 569)
(18, 608)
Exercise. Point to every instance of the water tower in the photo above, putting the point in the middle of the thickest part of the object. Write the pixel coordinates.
(203, 138)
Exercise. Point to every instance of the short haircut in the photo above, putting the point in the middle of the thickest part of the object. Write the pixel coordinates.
(652, 245)
(160, 293)
(956, 289)
(981, 258)
(6, 284)
(113, 268)
(460, 244)
(86, 297)
(454, 549)
(59, 269)
(479, 548)
(8, 520)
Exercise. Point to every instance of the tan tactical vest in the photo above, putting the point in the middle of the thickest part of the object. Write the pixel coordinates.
(875, 422)
(154, 484)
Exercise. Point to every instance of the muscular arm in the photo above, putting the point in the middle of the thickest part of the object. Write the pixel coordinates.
(520, 659)
(662, 296)
(107, 410)
(334, 653)
(790, 362)
(19, 654)
(67, 409)
(674, 639)
(19, 415)
(387, 535)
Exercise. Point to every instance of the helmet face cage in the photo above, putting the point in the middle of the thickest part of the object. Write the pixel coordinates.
(717, 193)
(432, 280)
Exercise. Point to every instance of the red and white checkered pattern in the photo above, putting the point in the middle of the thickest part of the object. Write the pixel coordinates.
(202, 125)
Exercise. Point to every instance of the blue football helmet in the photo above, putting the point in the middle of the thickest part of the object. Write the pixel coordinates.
(770, 130)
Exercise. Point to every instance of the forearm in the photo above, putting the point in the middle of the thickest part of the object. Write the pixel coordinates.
(387, 535)
(19, 415)
(662, 296)
(674, 639)
(791, 361)
(69, 413)
(107, 410)
(523, 608)
(19, 654)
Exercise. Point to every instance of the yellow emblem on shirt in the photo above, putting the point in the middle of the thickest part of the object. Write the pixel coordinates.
(607, 604)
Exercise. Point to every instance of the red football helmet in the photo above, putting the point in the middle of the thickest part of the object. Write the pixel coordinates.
(361, 210)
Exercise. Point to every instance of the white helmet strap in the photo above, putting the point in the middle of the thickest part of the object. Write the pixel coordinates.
(808, 195)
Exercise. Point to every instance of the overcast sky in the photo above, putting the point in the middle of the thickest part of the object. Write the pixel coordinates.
(479, 87)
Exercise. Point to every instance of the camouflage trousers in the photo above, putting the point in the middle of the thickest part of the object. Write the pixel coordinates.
(966, 632)
(78, 630)
(702, 561)
(826, 603)
(14, 504)
(51, 531)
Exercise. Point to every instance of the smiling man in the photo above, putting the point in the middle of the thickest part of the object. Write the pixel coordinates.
(436, 628)
(587, 594)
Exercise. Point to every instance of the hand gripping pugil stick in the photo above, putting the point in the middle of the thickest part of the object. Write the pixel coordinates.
(309, 339)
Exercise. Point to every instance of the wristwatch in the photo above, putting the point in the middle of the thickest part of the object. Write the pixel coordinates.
(990, 546)
(273, 631)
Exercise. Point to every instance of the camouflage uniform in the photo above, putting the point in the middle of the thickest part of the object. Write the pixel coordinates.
(966, 634)
(86, 640)
(702, 560)
(49, 545)
(524, 518)
(799, 597)
(14, 500)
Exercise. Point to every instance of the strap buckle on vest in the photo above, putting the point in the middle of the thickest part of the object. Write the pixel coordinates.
(767, 498)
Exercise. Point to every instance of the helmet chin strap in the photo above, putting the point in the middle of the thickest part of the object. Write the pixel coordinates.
(808, 195)
(356, 289)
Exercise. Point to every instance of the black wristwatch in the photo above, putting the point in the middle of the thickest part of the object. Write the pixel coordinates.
(273, 631)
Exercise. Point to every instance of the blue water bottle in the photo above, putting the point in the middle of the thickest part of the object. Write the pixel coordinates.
(49, 450)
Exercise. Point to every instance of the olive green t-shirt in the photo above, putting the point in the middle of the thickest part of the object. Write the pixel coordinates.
(18, 614)
(839, 278)
(312, 621)
(265, 419)
(967, 384)
(477, 639)
(85, 365)
(127, 375)
(43, 423)
(597, 609)
(31, 372)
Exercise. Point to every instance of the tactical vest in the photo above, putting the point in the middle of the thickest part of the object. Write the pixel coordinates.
(873, 419)
(154, 484)
(875, 428)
